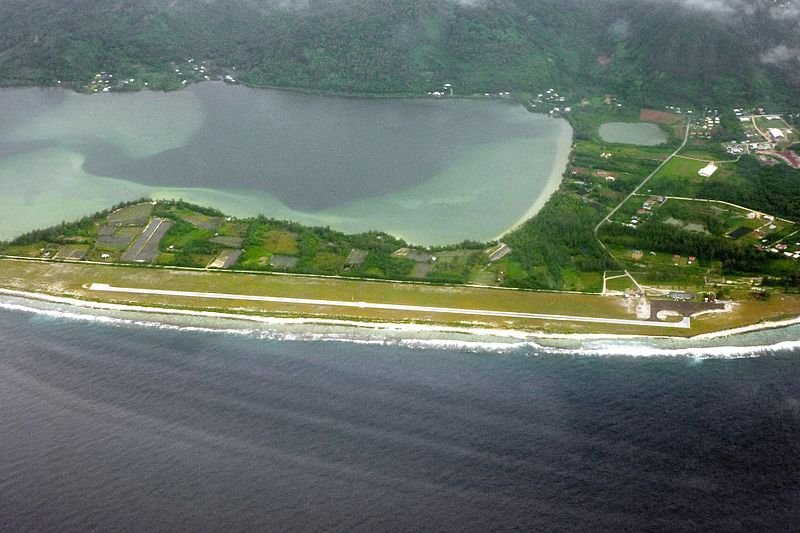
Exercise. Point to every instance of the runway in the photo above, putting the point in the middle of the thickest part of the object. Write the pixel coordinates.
(685, 323)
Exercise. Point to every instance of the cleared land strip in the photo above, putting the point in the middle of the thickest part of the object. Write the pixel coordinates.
(145, 249)
(104, 287)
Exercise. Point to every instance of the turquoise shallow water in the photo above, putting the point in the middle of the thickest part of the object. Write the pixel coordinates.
(430, 171)
(119, 422)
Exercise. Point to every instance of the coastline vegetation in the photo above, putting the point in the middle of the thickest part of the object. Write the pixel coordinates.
(564, 247)
(71, 279)
(644, 53)
(198, 234)
(737, 235)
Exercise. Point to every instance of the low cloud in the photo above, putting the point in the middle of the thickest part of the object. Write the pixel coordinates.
(780, 54)
(788, 11)
(620, 30)
(720, 8)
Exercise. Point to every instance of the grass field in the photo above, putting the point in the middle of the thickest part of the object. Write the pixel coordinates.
(699, 150)
(137, 214)
(71, 279)
(200, 220)
(679, 177)
(679, 168)
(620, 284)
(763, 123)
(665, 270)
(281, 242)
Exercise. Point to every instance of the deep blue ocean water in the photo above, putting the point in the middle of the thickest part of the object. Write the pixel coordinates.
(108, 426)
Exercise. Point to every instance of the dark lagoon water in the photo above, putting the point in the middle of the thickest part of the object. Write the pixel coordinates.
(117, 424)
(432, 171)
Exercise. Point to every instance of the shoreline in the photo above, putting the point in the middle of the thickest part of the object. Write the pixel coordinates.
(240, 203)
(293, 89)
(266, 319)
(761, 326)
(565, 144)
(518, 336)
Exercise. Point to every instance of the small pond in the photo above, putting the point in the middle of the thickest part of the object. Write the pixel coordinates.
(638, 133)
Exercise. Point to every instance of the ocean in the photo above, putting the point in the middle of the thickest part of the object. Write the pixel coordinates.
(125, 422)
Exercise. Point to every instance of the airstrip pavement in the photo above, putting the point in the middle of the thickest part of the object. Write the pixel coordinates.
(145, 248)
(685, 322)
(225, 259)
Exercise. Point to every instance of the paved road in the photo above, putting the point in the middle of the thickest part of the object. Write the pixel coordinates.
(642, 184)
(103, 287)
(145, 249)
(743, 208)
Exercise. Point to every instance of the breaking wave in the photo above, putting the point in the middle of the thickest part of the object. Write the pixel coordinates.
(618, 349)
(420, 337)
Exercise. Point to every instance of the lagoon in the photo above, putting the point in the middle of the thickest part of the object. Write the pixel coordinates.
(638, 133)
(430, 171)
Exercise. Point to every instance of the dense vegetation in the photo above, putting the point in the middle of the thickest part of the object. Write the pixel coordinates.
(637, 49)
(774, 189)
(597, 52)
(736, 258)
(84, 227)
(197, 234)
(559, 237)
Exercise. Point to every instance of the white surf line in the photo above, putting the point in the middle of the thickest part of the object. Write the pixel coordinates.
(104, 287)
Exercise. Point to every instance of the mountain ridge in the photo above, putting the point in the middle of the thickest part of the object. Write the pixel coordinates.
(643, 51)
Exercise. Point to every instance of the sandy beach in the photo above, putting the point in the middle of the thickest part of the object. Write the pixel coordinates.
(553, 181)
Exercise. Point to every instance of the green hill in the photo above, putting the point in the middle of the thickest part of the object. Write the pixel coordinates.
(638, 49)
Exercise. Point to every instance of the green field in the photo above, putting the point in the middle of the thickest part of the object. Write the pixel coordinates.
(72, 279)
(620, 284)
(677, 178)
(281, 242)
(136, 214)
(763, 122)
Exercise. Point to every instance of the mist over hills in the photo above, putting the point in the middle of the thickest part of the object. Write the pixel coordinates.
(648, 51)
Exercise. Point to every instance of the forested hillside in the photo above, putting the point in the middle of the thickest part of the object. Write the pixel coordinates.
(641, 50)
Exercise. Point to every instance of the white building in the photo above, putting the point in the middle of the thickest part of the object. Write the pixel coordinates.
(776, 134)
(708, 170)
